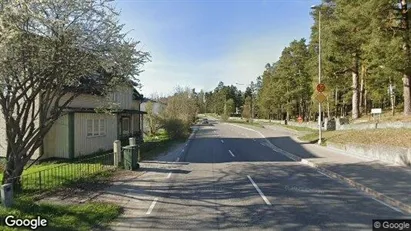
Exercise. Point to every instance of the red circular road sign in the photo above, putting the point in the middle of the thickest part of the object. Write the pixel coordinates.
(320, 87)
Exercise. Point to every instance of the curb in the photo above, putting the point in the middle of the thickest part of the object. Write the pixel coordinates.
(193, 134)
(386, 199)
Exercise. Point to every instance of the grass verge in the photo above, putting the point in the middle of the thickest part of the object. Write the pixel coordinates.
(295, 128)
(48, 176)
(63, 217)
(155, 145)
(390, 137)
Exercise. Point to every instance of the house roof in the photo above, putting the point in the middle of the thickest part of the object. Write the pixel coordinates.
(92, 110)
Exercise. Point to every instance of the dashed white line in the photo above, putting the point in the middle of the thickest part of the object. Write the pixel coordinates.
(182, 150)
(231, 153)
(222, 141)
(178, 159)
(152, 206)
(259, 191)
(169, 175)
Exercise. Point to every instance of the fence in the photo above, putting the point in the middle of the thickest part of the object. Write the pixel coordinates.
(57, 174)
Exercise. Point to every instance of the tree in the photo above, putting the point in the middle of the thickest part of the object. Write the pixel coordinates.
(246, 113)
(390, 42)
(51, 51)
(230, 107)
(153, 119)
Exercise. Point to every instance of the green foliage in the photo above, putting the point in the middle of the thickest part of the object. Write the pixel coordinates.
(48, 49)
(225, 117)
(152, 118)
(64, 217)
(175, 128)
(230, 107)
(247, 109)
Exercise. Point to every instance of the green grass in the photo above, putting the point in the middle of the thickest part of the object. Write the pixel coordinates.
(155, 145)
(54, 174)
(389, 137)
(63, 217)
(297, 128)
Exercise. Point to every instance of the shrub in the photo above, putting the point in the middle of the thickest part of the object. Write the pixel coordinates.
(225, 117)
(175, 128)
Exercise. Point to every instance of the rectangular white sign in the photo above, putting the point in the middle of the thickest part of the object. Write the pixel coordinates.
(376, 111)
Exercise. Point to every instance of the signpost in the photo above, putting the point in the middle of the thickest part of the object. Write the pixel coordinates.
(320, 98)
(376, 111)
(320, 87)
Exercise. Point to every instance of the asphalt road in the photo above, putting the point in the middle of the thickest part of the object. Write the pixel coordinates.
(227, 178)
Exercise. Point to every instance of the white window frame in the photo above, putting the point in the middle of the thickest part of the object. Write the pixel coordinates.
(98, 127)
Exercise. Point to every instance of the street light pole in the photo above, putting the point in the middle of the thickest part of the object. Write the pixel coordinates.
(319, 72)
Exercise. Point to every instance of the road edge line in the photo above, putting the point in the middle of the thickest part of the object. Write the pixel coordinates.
(370, 192)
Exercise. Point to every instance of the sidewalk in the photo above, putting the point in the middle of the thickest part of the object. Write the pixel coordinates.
(390, 184)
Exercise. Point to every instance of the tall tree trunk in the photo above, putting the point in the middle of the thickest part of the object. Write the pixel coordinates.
(406, 76)
(362, 89)
(365, 102)
(355, 95)
(336, 102)
(406, 80)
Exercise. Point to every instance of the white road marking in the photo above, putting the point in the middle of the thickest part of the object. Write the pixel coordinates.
(389, 206)
(182, 150)
(152, 206)
(169, 175)
(231, 153)
(178, 159)
(259, 191)
(222, 141)
(186, 144)
(366, 195)
(324, 174)
(395, 209)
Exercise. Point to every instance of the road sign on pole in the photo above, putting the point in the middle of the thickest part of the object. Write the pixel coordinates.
(320, 87)
(321, 97)
(300, 119)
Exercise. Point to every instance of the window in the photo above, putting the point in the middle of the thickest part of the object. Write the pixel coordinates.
(89, 127)
(125, 126)
(96, 127)
(102, 127)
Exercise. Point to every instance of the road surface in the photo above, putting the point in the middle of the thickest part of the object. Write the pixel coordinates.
(227, 178)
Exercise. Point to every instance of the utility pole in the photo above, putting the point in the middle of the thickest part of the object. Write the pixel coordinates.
(319, 71)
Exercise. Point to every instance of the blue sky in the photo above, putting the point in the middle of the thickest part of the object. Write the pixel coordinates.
(197, 43)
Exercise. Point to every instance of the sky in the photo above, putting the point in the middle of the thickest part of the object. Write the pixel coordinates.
(198, 43)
